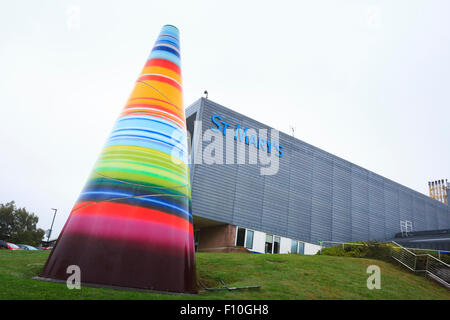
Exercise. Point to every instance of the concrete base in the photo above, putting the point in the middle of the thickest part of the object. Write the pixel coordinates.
(104, 286)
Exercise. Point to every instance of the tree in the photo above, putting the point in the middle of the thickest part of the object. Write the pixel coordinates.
(17, 225)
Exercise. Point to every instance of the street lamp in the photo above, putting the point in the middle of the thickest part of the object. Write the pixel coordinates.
(50, 232)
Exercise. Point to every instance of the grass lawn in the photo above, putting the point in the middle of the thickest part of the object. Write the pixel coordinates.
(281, 277)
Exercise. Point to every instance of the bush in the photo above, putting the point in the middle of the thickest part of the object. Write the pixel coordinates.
(380, 251)
(372, 250)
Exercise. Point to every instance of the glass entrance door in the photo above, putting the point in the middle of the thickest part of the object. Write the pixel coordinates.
(276, 245)
(269, 244)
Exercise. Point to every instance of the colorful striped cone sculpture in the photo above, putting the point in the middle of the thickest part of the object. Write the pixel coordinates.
(132, 224)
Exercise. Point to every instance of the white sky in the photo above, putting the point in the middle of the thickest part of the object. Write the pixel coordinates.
(366, 80)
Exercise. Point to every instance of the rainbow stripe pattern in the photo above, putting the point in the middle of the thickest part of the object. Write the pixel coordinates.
(132, 224)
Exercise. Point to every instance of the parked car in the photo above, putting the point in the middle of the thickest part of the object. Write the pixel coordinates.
(26, 247)
(3, 245)
(42, 248)
(9, 246)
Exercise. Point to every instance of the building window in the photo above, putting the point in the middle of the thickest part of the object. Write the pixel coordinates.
(249, 239)
(272, 244)
(301, 247)
(294, 246)
(240, 238)
(269, 244)
(276, 245)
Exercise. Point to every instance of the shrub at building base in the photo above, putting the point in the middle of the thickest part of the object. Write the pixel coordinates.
(370, 249)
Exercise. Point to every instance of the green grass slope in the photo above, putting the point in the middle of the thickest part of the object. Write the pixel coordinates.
(281, 277)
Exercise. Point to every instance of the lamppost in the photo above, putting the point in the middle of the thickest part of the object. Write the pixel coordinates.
(50, 232)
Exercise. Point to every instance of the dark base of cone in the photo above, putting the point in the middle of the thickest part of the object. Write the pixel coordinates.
(104, 286)
(122, 264)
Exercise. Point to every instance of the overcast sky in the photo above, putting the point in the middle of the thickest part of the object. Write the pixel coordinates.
(366, 80)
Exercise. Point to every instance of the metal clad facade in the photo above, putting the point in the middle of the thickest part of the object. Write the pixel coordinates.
(321, 214)
(376, 207)
(314, 196)
(391, 209)
(300, 193)
(360, 205)
(342, 200)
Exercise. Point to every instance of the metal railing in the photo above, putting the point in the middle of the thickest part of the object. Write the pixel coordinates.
(430, 265)
(437, 252)
(438, 270)
(404, 256)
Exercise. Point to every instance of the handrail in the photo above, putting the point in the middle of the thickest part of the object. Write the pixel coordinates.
(399, 245)
(427, 266)
(436, 278)
(425, 249)
(446, 264)
(422, 249)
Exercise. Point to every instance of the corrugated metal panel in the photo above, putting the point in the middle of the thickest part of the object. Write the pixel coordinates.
(360, 205)
(300, 195)
(405, 201)
(419, 214)
(443, 219)
(391, 210)
(432, 221)
(376, 207)
(321, 214)
(342, 199)
(248, 207)
(209, 201)
(275, 210)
